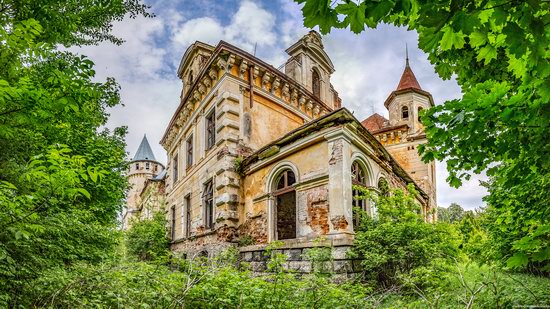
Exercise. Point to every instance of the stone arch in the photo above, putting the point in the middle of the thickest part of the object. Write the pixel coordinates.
(358, 160)
(276, 171)
(360, 157)
(282, 202)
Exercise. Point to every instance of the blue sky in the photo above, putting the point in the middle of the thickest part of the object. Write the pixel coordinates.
(368, 65)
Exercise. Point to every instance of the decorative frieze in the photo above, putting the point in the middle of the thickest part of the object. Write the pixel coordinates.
(243, 68)
(275, 85)
(265, 80)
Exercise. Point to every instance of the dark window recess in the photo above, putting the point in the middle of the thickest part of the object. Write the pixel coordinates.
(187, 215)
(173, 223)
(316, 84)
(175, 168)
(405, 112)
(208, 202)
(137, 166)
(190, 79)
(147, 165)
(285, 206)
(419, 110)
(211, 130)
(358, 204)
(189, 146)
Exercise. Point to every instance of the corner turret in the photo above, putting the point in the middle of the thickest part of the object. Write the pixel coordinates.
(143, 167)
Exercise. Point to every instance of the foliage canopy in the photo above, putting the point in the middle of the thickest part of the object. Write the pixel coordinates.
(498, 52)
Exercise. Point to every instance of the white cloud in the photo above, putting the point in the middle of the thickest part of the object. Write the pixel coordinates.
(250, 25)
(205, 29)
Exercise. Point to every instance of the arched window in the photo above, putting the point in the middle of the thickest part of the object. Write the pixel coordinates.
(316, 84)
(419, 110)
(383, 186)
(285, 205)
(359, 203)
(405, 112)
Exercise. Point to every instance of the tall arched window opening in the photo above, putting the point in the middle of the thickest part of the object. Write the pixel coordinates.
(419, 110)
(359, 203)
(405, 112)
(285, 205)
(316, 84)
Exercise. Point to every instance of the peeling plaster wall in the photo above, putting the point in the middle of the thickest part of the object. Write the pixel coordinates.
(269, 122)
(312, 200)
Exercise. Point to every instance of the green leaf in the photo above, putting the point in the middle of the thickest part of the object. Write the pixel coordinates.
(478, 38)
(451, 39)
(355, 15)
(517, 260)
(487, 53)
(376, 11)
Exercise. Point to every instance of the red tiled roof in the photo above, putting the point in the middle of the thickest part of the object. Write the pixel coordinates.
(408, 80)
(374, 122)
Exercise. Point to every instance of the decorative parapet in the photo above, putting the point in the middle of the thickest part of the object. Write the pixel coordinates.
(230, 60)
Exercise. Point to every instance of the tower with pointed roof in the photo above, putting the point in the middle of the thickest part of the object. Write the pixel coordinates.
(403, 131)
(144, 168)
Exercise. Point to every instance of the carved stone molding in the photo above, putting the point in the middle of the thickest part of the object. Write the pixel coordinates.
(243, 68)
(265, 80)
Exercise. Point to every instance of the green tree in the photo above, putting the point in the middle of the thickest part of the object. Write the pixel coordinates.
(62, 181)
(147, 239)
(498, 51)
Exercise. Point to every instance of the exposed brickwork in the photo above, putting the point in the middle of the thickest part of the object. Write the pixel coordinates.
(255, 227)
(318, 210)
(339, 223)
(336, 154)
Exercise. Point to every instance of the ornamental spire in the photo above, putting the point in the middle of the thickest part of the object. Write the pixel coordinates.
(408, 80)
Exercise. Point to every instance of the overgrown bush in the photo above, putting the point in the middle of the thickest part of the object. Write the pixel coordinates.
(188, 285)
(147, 239)
(399, 248)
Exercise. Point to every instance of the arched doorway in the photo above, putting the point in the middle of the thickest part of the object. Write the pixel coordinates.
(285, 205)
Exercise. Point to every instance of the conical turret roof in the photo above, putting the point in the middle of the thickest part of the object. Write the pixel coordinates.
(408, 80)
(144, 151)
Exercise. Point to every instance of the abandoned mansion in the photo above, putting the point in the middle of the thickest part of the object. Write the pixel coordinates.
(257, 154)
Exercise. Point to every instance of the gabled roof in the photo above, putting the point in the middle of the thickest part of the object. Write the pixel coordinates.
(408, 80)
(375, 122)
(144, 151)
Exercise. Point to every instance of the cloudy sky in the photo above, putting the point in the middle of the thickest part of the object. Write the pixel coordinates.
(368, 66)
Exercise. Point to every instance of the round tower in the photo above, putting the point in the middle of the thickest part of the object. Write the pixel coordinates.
(143, 167)
(405, 105)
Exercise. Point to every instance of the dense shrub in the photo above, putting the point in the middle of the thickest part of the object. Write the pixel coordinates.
(147, 239)
(399, 248)
(188, 285)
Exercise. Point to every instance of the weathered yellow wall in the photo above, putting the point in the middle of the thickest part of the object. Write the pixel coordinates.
(270, 121)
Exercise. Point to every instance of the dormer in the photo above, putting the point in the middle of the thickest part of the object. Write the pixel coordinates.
(405, 102)
(310, 65)
(192, 62)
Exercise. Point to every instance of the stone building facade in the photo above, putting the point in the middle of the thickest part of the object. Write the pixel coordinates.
(256, 154)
